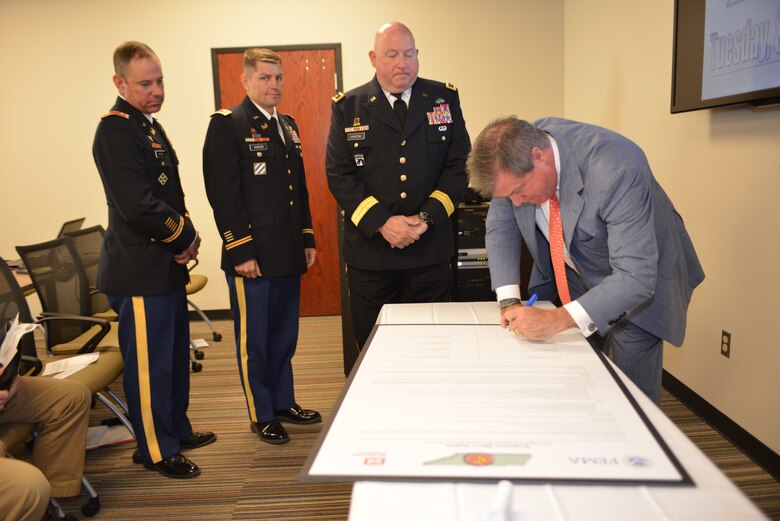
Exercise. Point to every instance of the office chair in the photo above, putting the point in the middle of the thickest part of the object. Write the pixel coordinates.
(61, 284)
(87, 243)
(96, 377)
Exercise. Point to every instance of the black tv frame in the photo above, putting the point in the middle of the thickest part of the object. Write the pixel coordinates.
(687, 56)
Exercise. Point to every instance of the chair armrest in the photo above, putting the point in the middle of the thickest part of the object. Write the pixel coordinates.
(37, 365)
(92, 343)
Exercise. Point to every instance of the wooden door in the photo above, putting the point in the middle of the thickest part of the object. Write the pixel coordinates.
(310, 74)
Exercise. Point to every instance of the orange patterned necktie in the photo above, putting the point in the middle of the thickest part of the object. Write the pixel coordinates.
(556, 250)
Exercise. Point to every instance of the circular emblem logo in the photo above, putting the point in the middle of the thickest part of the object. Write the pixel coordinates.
(637, 461)
(478, 460)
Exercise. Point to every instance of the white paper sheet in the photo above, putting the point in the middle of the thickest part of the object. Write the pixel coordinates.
(67, 366)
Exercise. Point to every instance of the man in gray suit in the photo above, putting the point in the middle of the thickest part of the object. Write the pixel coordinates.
(630, 267)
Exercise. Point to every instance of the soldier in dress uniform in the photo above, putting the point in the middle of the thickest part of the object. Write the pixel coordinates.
(143, 262)
(255, 182)
(396, 164)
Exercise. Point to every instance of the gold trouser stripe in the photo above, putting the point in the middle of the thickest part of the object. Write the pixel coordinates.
(363, 209)
(179, 228)
(144, 385)
(445, 200)
(241, 298)
(239, 242)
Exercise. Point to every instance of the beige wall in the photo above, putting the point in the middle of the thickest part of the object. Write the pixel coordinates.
(58, 83)
(506, 57)
(722, 170)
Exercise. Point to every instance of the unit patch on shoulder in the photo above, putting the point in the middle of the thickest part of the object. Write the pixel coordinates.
(223, 112)
(338, 97)
(116, 113)
(451, 86)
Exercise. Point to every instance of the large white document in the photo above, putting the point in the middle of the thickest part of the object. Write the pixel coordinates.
(473, 402)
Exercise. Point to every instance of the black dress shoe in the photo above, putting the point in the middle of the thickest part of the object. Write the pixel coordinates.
(197, 439)
(299, 415)
(271, 432)
(176, 466)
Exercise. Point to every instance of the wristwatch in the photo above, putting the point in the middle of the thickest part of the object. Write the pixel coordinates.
(424, 217)
(506, 302)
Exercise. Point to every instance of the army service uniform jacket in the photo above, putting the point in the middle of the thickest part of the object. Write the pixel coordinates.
(147, 220)
(257, 188)
(376, 170)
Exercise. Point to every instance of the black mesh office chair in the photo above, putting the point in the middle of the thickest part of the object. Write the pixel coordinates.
(96, 377)
(62, 288)
(86, 247)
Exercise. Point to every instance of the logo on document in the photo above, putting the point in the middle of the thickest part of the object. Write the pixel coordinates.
(481, 459)
(637, 461)
(374, 460)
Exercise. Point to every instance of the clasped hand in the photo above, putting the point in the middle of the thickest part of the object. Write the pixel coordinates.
(189, 254)
(400, 230)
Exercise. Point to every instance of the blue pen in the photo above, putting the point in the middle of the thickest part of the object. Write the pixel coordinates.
(531, 300)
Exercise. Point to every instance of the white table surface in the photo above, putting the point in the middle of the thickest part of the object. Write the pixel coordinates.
(713, 497)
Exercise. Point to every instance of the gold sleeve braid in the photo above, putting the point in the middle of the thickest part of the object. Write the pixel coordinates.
(175, 227)
(363, 209)
(230, 243)
(445, 200)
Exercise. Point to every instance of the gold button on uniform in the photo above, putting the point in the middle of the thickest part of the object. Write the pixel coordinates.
(289, 172)
(291, 203)
(402, 160)
(403, 177)
(355, 145)
(403, 143)
(259, 154)
(403, 195)
(444, 138)
(290, 187)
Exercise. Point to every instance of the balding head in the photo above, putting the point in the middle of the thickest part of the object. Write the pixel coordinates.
(389, 28)
(395, 57)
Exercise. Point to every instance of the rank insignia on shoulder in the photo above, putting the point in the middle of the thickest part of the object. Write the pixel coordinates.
(223, 112)
(116, 113)
(451, 86)
(338, 97)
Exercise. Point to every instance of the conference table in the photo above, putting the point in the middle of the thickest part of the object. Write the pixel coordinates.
(712, 497)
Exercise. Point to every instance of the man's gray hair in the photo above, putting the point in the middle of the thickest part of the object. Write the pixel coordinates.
(504, 144)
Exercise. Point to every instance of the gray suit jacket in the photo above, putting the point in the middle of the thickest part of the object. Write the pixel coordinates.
(633, 254)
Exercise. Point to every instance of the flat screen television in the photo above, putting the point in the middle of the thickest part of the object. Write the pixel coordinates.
(726, 52)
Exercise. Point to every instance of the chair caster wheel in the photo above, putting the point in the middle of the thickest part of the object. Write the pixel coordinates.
(196, 367)
(217, 337)
(200, 355)
(91, 507)
(137, 457)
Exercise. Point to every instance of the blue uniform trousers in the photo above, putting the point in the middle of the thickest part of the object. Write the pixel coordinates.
(154, 335)
(265, 316)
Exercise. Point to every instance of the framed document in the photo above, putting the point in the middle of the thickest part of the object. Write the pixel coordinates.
(475, 402)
